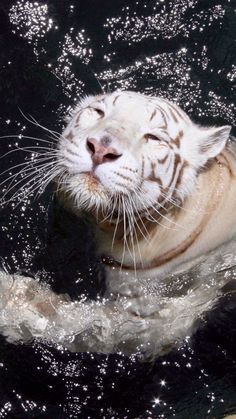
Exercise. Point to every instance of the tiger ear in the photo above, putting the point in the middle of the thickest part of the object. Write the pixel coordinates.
(213, 141)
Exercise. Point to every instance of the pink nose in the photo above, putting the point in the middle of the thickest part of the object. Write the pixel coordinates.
(101, 153)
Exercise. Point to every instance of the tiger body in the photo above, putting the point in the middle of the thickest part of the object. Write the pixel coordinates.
(161, 193)
(176, 180)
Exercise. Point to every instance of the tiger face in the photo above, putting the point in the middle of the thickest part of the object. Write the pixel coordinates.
(127, 150)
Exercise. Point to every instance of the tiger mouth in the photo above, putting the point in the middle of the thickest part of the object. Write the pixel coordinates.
(92, 182)
(91, 175)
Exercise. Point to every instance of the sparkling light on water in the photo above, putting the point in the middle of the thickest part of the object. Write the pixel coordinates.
(168, 23)
(30, 19)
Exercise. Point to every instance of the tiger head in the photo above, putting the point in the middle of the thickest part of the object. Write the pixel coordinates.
(128, 150)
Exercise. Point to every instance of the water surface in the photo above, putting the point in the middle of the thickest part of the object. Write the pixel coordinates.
(52, 52)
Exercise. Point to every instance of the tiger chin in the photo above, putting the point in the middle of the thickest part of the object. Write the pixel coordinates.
(161, 192)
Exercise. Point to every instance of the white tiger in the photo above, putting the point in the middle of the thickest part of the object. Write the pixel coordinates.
(162, 193)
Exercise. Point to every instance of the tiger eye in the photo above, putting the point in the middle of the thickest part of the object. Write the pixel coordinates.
(100, 112)
(151, 137)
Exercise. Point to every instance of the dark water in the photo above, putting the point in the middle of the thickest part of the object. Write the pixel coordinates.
(51, 53)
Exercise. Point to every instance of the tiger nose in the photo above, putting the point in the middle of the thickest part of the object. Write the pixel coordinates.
(101, 152)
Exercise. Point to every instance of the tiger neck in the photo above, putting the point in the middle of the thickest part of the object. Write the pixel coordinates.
(172, 235)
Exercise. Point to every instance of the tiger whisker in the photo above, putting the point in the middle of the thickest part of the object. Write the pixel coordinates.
(25, 170)
(146, 207)
(49, 178)
(132, 233)
(125, 243)
(166, 218)
(142, 223)
(117, 223)
(150, 205)
(33, 121)
(27, 150)
(28, 162)
(37, 184)
(26, 177)
(179, 206)
(22, 136)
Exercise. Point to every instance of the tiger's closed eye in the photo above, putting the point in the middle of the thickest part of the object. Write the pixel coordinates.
(151, 137)
(100, 112)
